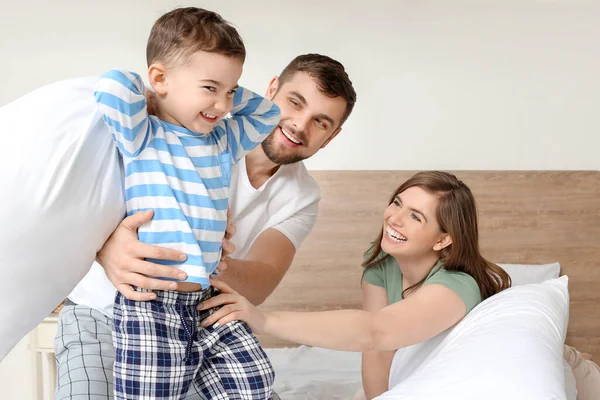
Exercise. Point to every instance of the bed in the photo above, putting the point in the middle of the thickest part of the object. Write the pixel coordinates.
(526, 217)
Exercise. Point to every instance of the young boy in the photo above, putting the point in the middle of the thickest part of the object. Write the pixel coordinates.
(178, 164)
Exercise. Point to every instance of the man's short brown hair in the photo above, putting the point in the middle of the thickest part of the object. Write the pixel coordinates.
(182, 32)
(330, 75)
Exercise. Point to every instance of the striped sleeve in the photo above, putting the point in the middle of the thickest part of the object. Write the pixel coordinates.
(253, 118)
(121, 100)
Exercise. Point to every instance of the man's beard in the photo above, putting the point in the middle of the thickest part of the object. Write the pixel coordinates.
(276, 155)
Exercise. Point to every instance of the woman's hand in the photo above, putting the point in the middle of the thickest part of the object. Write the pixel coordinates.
(234, 307)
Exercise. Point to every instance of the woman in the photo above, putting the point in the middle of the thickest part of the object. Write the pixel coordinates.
(422, 275)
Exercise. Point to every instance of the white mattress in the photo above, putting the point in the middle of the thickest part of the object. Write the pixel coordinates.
(311, 373)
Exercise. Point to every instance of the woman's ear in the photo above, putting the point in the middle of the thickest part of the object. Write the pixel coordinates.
(157, 75)
(444, 241)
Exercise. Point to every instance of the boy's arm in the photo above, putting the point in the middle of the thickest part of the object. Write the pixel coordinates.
(121, 99)
(253, 118)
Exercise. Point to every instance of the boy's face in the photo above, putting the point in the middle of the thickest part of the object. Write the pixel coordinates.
(309, 119)
(199, 93)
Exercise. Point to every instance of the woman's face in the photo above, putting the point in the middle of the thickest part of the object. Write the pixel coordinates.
(410, 226)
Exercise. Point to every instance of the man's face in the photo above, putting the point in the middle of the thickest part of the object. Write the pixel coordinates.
(309, 119)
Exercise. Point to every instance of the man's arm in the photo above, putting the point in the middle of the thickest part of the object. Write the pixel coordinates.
(123, 259)
(265, 265)
(270, 256)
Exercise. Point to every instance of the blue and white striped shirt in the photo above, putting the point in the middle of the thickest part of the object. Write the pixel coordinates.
(183, 176)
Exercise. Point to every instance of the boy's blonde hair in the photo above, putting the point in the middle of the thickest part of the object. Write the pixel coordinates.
(184, 31)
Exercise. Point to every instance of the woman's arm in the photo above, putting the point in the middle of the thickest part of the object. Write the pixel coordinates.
(375, 364)
(427, 312)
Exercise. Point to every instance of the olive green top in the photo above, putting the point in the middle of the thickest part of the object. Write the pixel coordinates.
(388, 275)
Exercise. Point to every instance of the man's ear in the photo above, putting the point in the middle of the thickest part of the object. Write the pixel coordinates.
(157, 75)
(273, 87)
(444, 241)
(330, 138)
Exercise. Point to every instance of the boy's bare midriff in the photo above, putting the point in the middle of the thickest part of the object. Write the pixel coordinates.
(188, 287)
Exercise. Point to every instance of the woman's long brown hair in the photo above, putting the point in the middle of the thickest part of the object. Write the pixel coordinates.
(457, 216)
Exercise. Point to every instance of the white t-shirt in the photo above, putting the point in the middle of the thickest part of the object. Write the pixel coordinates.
(288, 202)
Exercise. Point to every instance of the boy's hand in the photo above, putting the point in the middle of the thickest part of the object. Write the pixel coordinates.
(234, 307)
(150, 106)
(123, 258)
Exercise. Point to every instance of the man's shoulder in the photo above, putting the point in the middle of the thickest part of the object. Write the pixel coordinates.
(295, 177)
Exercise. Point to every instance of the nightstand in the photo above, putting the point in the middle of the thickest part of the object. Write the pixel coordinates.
(41, 345)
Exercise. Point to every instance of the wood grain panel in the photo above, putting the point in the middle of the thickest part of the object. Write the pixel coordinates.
(525, 217)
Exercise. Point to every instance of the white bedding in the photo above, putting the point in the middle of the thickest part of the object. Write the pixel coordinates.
(314, 373)
(311, 373)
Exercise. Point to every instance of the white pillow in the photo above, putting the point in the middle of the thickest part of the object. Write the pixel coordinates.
(570, 382)
(509, 347)
(523, 274)
(61, 198)
(570, 385)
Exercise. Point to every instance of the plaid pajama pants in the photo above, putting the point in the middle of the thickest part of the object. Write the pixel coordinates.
(161, 351)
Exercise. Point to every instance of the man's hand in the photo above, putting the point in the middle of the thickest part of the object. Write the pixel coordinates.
(150, 105)
(228, 246)
(123, 258)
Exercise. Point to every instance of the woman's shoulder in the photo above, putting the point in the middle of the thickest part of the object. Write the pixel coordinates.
(461, 283)
(377, 271)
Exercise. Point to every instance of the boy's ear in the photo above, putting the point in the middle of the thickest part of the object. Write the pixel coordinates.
(157, 75)
(273, 87)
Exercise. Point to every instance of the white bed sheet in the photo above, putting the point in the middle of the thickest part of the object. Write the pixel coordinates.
(312, 373)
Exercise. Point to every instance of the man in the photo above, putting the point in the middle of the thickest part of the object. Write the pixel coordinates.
(274, 204)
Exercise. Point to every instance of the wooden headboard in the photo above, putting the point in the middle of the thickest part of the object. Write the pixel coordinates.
(528, 217)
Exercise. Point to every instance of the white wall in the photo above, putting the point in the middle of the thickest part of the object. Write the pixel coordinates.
(447, 84)
(488, 84)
